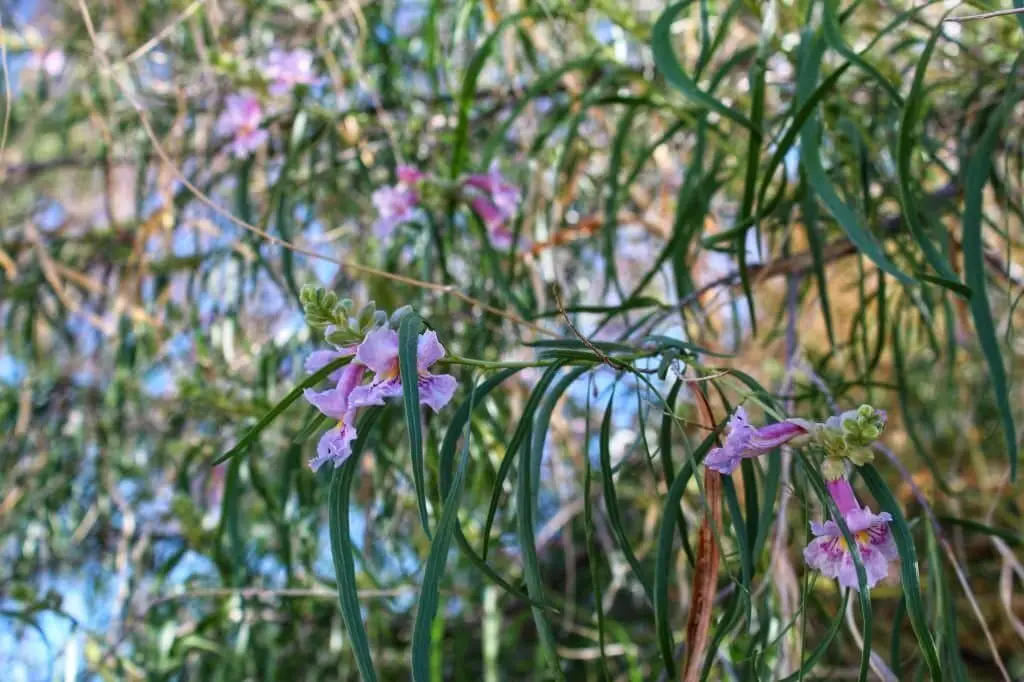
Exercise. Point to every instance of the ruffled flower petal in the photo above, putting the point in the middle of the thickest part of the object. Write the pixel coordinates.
(379, 351)
(336, 402)
(376, 393)
(829, 554)
(436, 390)
(428, 350)
(335, 446)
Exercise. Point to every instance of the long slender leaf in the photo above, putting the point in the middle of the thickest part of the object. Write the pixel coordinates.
(974, 269)
(408, 339)
(341, 548)
(310, 381)
(668, 65)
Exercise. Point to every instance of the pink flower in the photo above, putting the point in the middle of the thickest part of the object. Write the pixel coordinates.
(336, 443)
(379, 352)
(241, 119)
(829, 553)
(408, 175)
(744, 440)
(397, 204)
(494, 221)
(285, 70)
(51, 62)
(495, 201)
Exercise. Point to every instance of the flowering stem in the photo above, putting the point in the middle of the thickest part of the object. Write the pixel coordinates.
(487, 364)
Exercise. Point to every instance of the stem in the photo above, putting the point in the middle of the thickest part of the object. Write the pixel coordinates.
(487, 364)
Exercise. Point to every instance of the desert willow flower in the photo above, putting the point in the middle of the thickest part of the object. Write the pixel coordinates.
(829, 552)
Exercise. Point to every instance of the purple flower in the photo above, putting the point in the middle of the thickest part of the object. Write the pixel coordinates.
(319, 359)
(496, 201)
(379, 352)
(829, 553)
(397, 204)
(336, 443)
(241, 120)
(285, 70)
(744, 440)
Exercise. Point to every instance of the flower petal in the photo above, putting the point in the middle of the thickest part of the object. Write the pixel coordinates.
(379, 350)
(724, 460)
(436, 390)
(334, 446)
(819, 557)
(428, 350)
(319, 359)
(332, 402)
(773, 435)
(376, 393)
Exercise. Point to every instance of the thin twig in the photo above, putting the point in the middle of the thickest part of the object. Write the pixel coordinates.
(986, 15)
(212, 205)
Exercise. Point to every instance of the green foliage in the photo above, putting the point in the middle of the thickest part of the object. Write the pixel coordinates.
(797, 207)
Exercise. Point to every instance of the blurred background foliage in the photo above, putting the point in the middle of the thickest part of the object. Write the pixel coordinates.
(803, 190)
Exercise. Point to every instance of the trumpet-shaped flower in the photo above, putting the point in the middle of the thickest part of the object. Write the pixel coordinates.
(829, 552)
(336, 443)
(496, 201)
(241, 120)
(744, 440)
(379, 352)
(397, 204)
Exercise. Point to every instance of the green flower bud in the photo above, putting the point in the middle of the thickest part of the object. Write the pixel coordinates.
(861, 456)
(833, 468)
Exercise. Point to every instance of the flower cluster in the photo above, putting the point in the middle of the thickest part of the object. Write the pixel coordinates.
(372, 344)
(845, 436)
(490, 196)
(243, 115)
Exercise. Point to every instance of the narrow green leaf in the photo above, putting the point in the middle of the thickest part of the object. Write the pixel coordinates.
(810, 158)
(611, 501)
(823, 644)
(531, 567)
(426, 611)
(1010, 537)
(309, 382)
(543, 421)
(518, 438)
(668, 65)
(667, 466)
(908, 567)
(974, 270)
(593, 559)
(834, 36)
(408, 340)
(341, 548)
(446, 465)
(912, 113)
